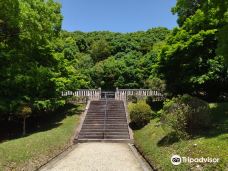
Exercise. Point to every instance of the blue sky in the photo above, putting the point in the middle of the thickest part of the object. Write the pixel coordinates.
(117, 15)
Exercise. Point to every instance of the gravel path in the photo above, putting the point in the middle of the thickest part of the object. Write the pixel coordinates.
(97, 157)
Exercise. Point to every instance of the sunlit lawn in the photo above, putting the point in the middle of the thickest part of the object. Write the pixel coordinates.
(152, 141)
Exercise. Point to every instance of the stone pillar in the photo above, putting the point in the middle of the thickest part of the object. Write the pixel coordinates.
(116, 93)
(99, 93)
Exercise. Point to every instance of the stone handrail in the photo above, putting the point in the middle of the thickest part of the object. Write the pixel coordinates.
(120, 94)
(93, 94)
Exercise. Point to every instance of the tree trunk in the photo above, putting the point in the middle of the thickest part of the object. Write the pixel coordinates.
(24, 126)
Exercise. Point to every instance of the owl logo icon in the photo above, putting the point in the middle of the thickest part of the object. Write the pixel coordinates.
(176, 160)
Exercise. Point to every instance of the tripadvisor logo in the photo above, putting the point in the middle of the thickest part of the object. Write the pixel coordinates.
(176, 160)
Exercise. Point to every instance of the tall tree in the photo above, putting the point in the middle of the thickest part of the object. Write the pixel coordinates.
(27, 63)
(185, 9)
(100, 50)
(189, 62)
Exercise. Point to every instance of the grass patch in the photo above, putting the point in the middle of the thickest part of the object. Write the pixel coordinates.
(28, 153)
(160, 144)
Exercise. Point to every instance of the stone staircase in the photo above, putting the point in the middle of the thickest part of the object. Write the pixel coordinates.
(105, 121)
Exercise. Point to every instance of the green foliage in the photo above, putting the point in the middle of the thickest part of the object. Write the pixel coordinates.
(140, 114)
(186, 115)
(39, 61)
(109, 60)
(156, 83)
(28, 66)
(221, 17)
(105, 59)
(223, 40)
(156, 146)
(100, 50)
(24, 110)
(48, 105)
(132, 98)
(42, 105)
(189, 63)
(219, 112)
(50, 139)
(112, 73)
(184, 9)
(129, 70)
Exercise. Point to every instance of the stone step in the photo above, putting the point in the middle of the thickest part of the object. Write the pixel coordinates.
(104, 133)
(107, 119)
(104, 122)
(117, 136)
(95, 111)
(91, 137)
(112, 114)
(92, 120)
(93, 126)
(104, 137)
(103, 116)
(106, 130)
(98, 126)
(107, 114)
(101, 126)
(108, 125)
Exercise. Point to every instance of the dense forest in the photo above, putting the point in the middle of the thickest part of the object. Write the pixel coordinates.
(39, 60)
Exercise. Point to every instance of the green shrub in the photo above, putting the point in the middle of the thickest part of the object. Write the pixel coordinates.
(48, 105)
(132, 98)
(157, 84)
(186, 115)
(42, 105)
(140, 114)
